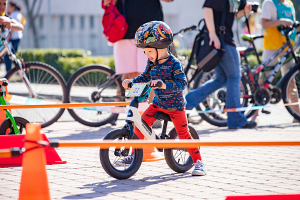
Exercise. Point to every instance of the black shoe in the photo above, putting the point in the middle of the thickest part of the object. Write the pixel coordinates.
(250, 124)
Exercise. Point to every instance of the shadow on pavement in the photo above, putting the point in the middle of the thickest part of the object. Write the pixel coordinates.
(101, 189)
(287, 125)
(84, 135)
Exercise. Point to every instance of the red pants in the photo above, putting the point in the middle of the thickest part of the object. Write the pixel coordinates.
(180, 122)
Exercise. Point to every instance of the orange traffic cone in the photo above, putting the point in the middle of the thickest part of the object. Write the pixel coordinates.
(150, 154)
(34, 181)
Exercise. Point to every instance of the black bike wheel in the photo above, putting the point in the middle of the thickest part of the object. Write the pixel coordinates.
(6, 127)
(108, 157)
(179, 160)
(84, 84)
(291, 92)
(216, 101)
(47, 84)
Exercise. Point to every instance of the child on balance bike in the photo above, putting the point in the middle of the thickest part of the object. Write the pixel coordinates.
(154, 38)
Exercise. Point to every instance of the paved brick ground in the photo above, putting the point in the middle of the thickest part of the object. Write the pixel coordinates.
(231, 170)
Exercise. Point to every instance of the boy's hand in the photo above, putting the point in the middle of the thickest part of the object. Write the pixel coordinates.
(125, 83)
(5, 21)
(2, 80)
(154, 82)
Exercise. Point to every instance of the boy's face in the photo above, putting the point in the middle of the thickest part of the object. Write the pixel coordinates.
(3, 6)
(150, 53)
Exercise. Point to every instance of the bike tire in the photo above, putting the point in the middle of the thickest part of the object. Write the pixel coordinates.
(169, 155)
(294, 110)
(49, 86)
(90, 117)
(109, 167)
(215, 118)
(7, 129)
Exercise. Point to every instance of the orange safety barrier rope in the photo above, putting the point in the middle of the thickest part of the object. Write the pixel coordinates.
(5, 153)
(105, 144)
(171, 143)
(65, 105)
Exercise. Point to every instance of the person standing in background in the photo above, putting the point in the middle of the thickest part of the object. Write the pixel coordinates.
(129, 60)
(14, 38)
(277, 13)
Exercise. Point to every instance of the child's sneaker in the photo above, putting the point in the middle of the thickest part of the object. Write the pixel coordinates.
(125, 161)
(199, 169)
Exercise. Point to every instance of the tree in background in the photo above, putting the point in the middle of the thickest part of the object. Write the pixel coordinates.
(33, 8)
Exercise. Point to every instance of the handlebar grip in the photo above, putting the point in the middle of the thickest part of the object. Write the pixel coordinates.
(5, 83)
(158, 84)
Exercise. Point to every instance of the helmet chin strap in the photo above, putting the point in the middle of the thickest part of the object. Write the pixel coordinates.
(156, 60)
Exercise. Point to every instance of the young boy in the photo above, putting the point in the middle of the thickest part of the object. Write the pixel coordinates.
(154, 38)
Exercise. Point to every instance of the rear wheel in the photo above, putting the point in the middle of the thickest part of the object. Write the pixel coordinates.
(291, 92)
(109, 158)
(217, 101)
(48, 86)
(179, 160)
(83, 87)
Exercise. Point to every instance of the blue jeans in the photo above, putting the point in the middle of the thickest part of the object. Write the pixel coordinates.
(228, 73)
(15, 45)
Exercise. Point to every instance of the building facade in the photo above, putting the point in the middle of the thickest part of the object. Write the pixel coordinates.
(78, 23)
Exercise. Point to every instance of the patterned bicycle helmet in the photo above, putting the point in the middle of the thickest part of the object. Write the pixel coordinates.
(154, 34)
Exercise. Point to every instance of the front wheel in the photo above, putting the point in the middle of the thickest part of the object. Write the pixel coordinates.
(48, 87)
(291, 92)
(179, 160)
(92, 84)
(6, 127)
(111, 158)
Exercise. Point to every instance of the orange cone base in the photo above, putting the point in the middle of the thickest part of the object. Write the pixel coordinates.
(9, 141)
(151, 155)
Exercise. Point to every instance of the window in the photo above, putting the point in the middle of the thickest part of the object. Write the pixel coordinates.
(72, 22)
(41, 22)
(91, 22)
(82, 22)
(61, 22)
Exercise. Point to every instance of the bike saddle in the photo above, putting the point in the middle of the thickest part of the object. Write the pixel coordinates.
(250, 38)
(162, 116)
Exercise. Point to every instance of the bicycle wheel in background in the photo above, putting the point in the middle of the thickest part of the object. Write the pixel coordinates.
(291, 91)
(217, 100)
(83, 87)
(47, 84)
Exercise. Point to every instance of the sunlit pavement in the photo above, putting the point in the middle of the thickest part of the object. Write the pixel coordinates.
(231, 170)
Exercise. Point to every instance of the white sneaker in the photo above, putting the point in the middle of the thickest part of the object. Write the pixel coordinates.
(199, 169)
(125, 161)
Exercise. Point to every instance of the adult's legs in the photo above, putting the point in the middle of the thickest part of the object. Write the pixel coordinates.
(7, 61)
(196, 96)
(231, 67)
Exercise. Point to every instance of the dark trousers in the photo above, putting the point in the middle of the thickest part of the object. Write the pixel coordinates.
(7, 61)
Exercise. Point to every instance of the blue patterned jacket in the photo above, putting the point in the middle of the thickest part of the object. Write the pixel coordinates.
(172, 74)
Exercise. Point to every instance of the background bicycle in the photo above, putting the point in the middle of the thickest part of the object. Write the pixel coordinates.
(34, 83)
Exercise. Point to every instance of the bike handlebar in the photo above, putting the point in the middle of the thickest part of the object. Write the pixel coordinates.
(193, 27)
(158, 84)
(5, 83)
(289, 28)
